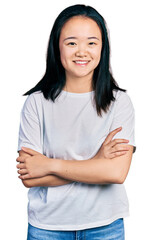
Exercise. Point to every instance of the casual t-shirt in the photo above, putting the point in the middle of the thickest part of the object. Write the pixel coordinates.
(70, 128)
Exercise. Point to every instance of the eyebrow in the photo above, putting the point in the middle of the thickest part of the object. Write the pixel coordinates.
(76, 38)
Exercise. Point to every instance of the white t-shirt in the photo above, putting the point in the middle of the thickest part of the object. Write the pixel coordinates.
(70, 128)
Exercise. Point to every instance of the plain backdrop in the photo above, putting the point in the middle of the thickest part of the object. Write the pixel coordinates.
(25, 26)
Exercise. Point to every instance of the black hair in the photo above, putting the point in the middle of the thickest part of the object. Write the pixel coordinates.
(54, 78)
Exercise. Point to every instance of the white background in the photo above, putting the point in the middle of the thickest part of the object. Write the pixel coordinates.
(25, 28)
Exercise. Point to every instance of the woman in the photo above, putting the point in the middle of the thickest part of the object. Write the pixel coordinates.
(76, 136)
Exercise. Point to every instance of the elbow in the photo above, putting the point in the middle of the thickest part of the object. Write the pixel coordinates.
(26, 183)
(116, 180)
(120, 181)
(117, 176)
(120, 178)
(113, 179)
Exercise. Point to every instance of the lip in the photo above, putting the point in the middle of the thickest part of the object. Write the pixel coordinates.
(81, 62)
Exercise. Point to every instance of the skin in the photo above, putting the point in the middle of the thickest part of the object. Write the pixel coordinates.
(80, 39)
(109, 165)
(80, 46)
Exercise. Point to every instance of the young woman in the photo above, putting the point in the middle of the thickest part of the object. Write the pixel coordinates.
(76, 136)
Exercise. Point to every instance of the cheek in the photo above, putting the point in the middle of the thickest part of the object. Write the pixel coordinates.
(97, 54)
(62, 59)
(62, 54)
(65, 55)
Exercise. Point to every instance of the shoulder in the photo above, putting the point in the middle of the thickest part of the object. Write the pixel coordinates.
(33, 102)
(122, 97)
(34, 97)
(123, 101)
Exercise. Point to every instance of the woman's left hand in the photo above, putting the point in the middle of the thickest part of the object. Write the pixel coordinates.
(33, 166)
(113, 148)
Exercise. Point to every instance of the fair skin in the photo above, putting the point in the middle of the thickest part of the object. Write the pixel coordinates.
(80, 46)
(107, 166)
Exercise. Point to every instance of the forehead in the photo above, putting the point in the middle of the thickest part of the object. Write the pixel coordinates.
(80, 26)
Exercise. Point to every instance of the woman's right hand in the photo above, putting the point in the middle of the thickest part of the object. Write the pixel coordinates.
(112, 148)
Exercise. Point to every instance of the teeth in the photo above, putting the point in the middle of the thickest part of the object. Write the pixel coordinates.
(81, 62)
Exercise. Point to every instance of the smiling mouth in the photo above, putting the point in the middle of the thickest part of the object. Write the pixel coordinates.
(81, 62)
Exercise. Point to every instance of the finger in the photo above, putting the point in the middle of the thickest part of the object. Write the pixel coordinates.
(20, 166)
(117, 154)
(29, 150)
(117, 141)
(22, 171)
(25, 176)
(112, 134)
(20, 159)
(120, 147)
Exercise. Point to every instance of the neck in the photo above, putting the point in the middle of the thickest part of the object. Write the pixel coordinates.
(78, 85)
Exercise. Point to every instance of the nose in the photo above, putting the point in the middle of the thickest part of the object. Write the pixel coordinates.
(81, 51)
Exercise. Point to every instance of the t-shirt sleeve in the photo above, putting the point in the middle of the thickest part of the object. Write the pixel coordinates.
(124, 117)
(29, 130)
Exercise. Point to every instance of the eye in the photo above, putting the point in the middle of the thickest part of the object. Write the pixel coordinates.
(71, 43)
(92, 43)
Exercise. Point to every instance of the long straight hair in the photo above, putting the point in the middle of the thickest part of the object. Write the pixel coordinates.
(54, 78)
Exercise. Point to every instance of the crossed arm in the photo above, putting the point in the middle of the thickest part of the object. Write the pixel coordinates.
(110, 165)
(45, 181)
